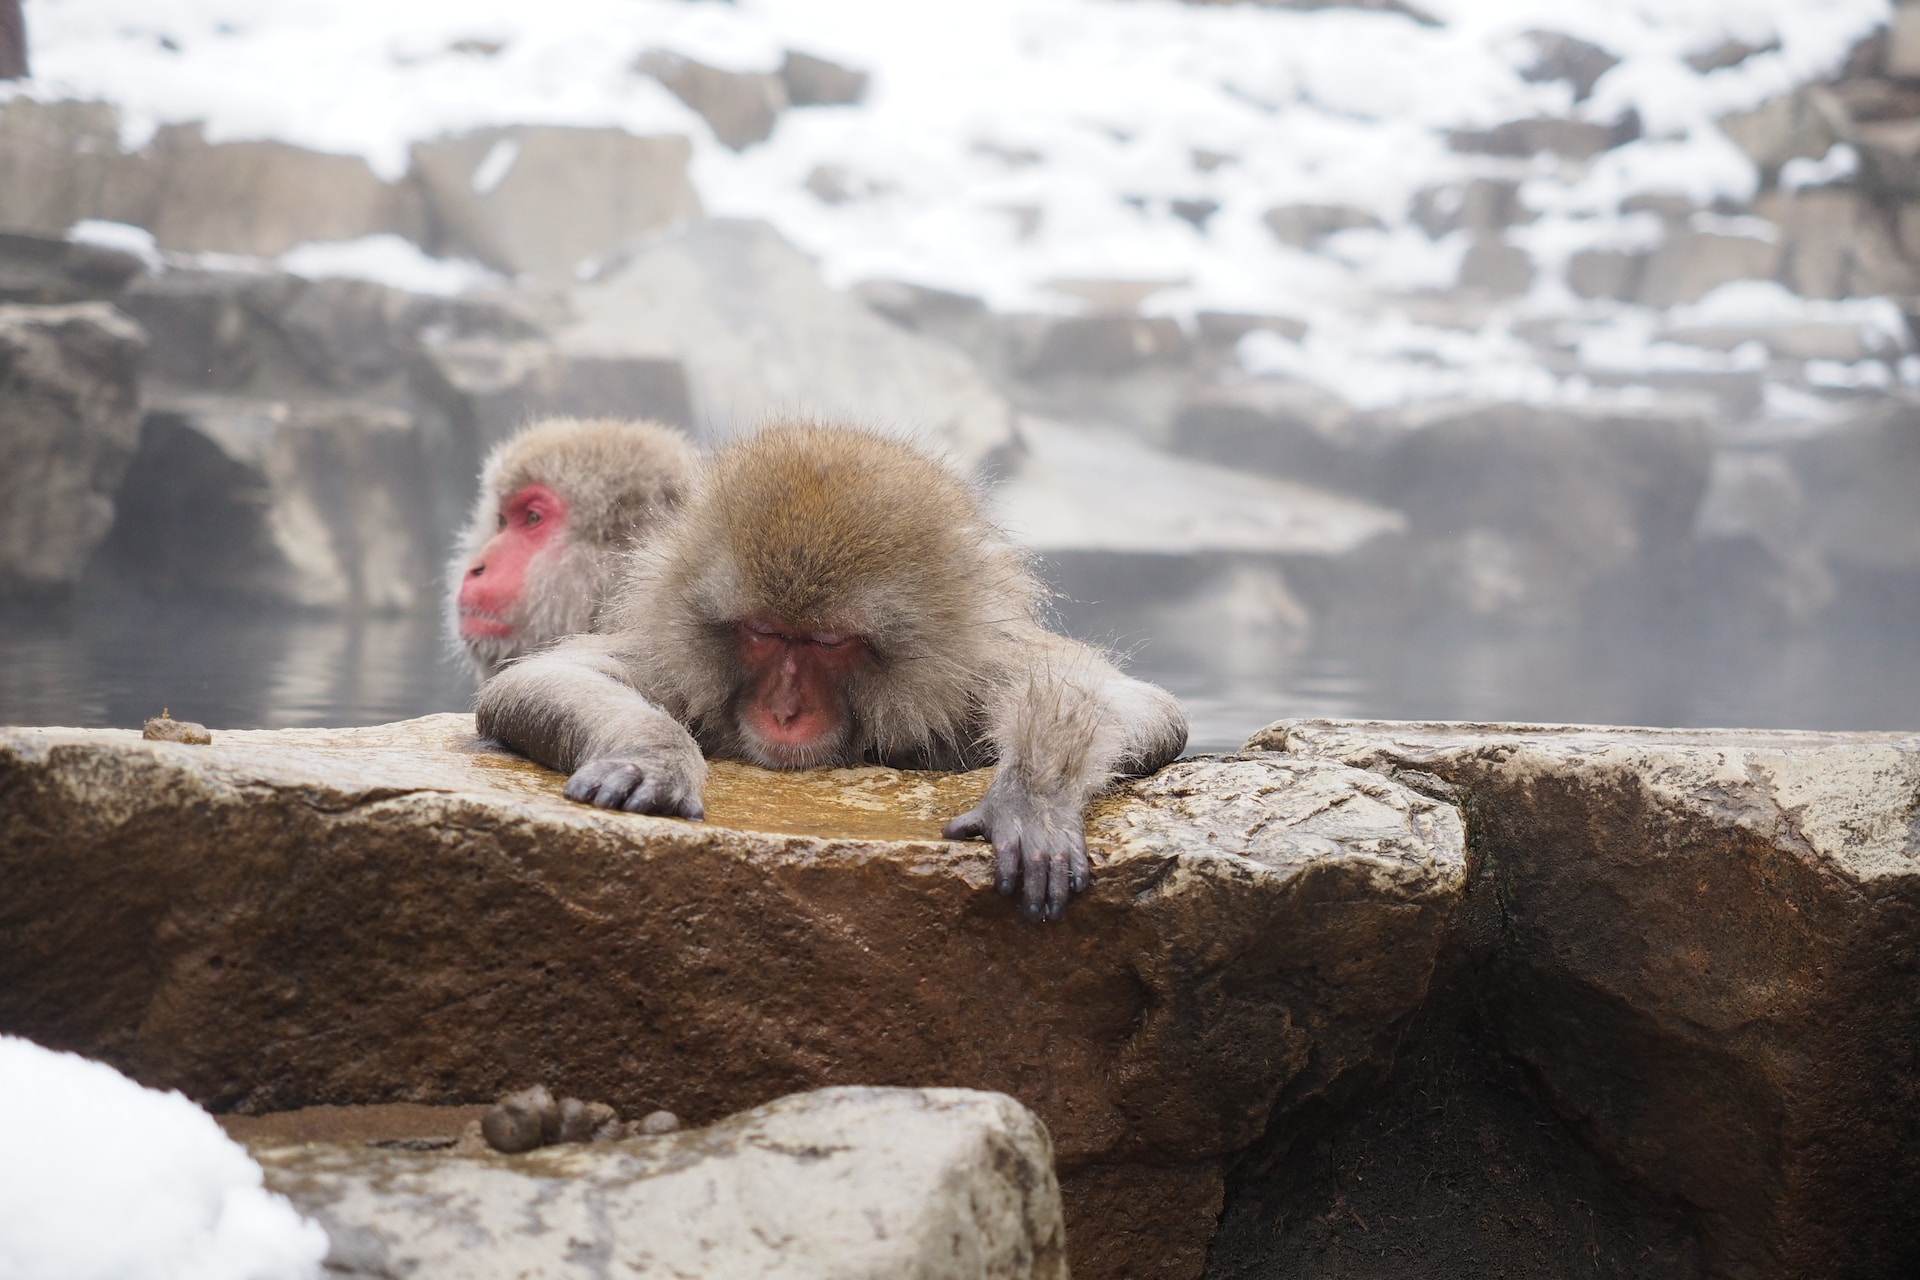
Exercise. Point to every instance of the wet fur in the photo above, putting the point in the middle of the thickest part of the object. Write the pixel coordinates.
(835, 529)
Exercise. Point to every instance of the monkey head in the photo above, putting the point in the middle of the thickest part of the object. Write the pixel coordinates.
(559, 505)
(820, 597)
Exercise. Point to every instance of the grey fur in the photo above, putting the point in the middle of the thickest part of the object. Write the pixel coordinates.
(620, 480)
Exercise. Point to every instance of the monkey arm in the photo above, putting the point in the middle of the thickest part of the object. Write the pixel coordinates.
(1064, 722)
(574, 708)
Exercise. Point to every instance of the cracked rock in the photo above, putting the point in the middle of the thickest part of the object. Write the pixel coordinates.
(354, 916)
(1707, 957)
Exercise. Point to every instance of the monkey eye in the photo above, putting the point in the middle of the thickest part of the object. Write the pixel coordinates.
(533, 517)
(500, 521)
(832, 639)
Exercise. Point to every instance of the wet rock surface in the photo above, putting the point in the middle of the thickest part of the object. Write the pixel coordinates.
(1700, 946)
(852, 1182)
(401, 914)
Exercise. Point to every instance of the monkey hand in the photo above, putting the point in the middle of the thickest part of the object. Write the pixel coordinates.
(638, 784)
(1039, 847)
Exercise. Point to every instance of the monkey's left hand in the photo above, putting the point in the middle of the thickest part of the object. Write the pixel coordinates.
(1039, 847)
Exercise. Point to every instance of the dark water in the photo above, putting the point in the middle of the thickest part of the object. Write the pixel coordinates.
(114, 659)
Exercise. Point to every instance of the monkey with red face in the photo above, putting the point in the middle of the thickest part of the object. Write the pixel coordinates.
(560, 504)
(831, 597)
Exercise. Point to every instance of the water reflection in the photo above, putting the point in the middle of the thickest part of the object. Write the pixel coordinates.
(109, 659)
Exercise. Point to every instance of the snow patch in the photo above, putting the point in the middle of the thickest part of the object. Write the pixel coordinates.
(106, 1180)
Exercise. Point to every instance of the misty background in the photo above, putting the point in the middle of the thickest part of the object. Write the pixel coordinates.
(1467, 359)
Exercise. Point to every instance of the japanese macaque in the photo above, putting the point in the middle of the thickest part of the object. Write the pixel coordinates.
(833, 597)
(560, 504)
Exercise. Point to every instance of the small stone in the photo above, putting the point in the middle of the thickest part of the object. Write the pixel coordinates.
(164, 728)
(658, 1122)
(585, 1121)
(522, 1121)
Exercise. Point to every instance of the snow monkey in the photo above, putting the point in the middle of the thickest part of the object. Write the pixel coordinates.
(830, 597)
(560, 504)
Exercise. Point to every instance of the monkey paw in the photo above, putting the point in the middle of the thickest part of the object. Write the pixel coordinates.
(636, 785)
(1039, 849)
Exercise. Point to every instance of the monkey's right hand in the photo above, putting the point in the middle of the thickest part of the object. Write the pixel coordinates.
(638, 784)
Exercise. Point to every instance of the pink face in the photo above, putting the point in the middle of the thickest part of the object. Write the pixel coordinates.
(795, 704)
(495, 578)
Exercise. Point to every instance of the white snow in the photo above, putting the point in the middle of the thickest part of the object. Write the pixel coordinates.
(389, 260)
(1007, 144)
(104, 1180)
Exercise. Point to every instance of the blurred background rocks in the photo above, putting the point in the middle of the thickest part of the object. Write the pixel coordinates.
(253, 372)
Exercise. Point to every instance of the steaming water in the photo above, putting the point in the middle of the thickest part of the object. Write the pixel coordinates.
(109, 659)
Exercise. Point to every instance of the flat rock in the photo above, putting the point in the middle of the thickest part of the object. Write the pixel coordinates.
(921, 1184)
(760, 333)
(1083, 489)
(1708, 942)
(289, 918)
(544, 199)
(69, 421)
(260, 197)
(54, 159)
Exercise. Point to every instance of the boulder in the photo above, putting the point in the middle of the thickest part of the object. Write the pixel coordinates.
(299, 917)
(1100, 345)
(1510, 511)
(546, 201)
(1526, 513)
(1483, 206)
(816, 82)
(54, 157)
(1574, 139)
(46, 271)
(491, 387)
(272, 335)
(256, 198)
(69, 421)
(1606, 273)
(928, 1184)
(1890, 156)
(1082, 489)
(1903, 43)
(1559, 56)
(319, 503)
(1791, 126)
(13, 41)
(1705, 941)
(1728, 53)
(1692, 264)
(1494, 267)
(1305, 225)
(759, 334)
(1837, 245)
(741, 106)
(1859, 476)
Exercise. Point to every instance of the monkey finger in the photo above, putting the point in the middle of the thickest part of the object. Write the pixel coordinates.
(586, 780)
(1059, 865)
(645, 797)
(691, 809)
(1079, 867)
(1033, 876)
(1006, 864)
(970, 825)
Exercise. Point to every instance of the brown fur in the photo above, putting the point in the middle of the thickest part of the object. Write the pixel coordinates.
(619, 478)
(828, 528)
